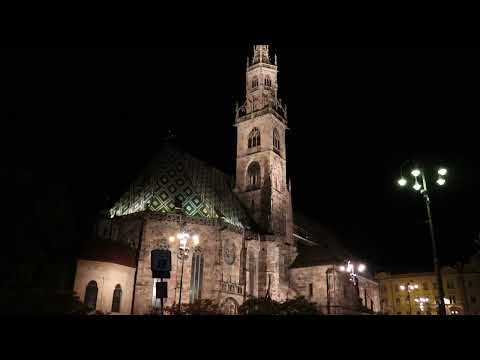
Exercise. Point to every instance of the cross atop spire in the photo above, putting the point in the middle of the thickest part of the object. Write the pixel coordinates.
(169, 136)
(260, 54)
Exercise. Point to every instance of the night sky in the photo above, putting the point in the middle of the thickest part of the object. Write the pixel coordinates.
(84, 121)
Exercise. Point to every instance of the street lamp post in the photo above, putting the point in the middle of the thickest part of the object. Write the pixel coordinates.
(423, 189)
(421, 303)
(183, 251)
(409, 288)
(352, 269)
(329, 271)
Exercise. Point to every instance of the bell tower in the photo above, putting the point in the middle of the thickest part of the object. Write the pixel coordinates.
(261, 123)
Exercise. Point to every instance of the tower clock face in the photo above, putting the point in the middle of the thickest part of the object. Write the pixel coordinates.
(229, 253)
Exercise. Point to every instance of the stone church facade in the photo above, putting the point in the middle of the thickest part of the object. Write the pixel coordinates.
(245, 226)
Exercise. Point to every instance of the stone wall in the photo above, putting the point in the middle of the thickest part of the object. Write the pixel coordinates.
(369, 293)
(223, 276)
(107, 276)
(311, 282)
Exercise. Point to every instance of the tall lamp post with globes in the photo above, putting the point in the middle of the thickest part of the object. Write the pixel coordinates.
(409, 288)
(421, 303)
(352, 269)
(423, 189)
(183, 251)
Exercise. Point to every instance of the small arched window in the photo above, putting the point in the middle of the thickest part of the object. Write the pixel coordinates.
(91, 295)
(276, 140)
(268, 82)
(254, 138)
(255, 82)
(117, 299)
(253, 174)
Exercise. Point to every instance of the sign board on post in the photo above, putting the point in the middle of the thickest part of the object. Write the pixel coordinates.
(161, 290)
(161, 264)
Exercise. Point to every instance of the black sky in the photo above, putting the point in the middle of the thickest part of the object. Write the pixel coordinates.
(83, 122)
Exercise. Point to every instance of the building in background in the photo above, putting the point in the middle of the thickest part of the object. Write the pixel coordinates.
(461, 284)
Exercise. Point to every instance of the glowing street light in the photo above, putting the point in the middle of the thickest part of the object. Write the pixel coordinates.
(441, 181)
(442, 172)
(419, 175)
(421, 303)
(409, 288)
(352, 269)
(183, 252)
(417, 186)
(196, 240)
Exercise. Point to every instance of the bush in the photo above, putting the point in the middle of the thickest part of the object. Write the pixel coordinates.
(259, 306)
(42, 302)
(267, 306)
(200, 307)
(299, 306)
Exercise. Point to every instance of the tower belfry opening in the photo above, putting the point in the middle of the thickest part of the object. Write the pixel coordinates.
(261, 54)
(261, 87)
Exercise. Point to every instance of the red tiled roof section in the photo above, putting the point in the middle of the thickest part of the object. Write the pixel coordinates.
(113, 253)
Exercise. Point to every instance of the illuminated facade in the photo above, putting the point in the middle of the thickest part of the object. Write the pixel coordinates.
(245, 224)
(461, 285)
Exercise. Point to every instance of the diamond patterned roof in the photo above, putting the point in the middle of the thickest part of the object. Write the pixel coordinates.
(175, 176)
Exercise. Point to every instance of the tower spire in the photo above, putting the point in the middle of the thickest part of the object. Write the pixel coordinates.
(261, 182)
(260, 54)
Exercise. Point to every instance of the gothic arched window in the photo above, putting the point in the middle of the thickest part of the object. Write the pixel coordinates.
(196, 277)
(117, 299)
(276, 139)
(91, 295)
(268, 82)
(252, 273)
(254, 138)
(253, 174)
(254, 82)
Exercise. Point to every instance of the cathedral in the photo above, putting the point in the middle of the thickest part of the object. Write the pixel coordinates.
(230, 237)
